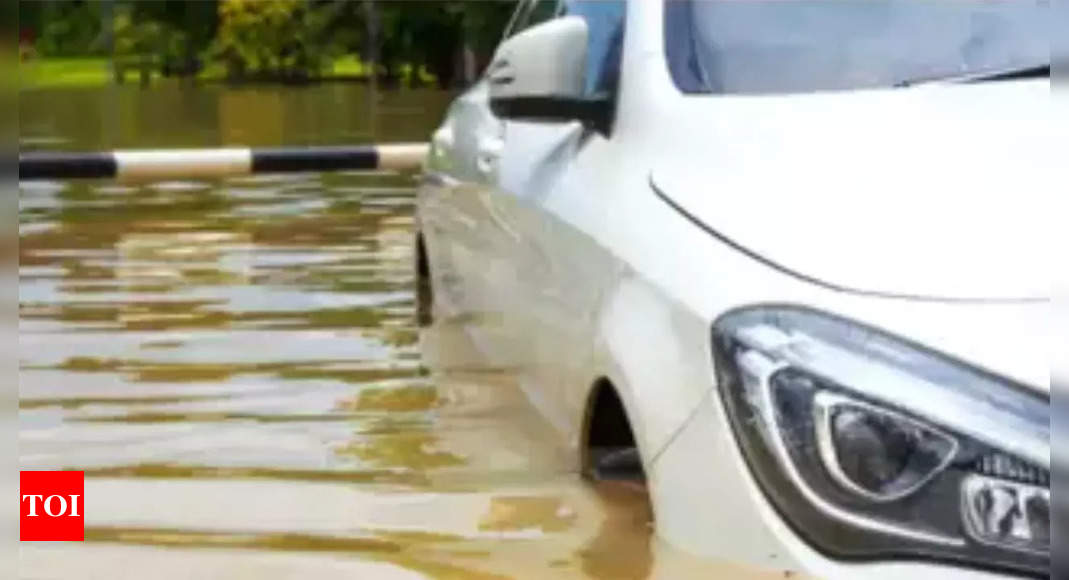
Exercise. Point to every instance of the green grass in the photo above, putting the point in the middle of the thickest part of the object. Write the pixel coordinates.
(352, 66)
(96, 72)
(64, 72)
(349, 66)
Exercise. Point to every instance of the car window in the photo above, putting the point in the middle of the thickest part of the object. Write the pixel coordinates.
(785, 46)
(605, 19)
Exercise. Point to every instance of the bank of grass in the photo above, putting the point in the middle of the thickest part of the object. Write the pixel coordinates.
(64, 72)
(95, 72)
(349, 66)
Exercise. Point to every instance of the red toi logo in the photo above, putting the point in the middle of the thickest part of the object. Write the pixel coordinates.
(52, 506)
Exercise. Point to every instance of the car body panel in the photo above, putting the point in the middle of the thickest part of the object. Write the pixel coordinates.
(951, 215)
(746, 526)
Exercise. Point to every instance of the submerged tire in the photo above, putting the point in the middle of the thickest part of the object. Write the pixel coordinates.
(610, 450)
(622, 464)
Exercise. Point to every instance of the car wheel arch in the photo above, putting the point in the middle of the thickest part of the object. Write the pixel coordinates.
(608, 428)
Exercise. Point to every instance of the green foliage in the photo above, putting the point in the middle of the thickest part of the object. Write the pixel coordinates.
(272, 38)
(484, 24)
(186, 29)
(139, 44)
(434, 33)
(275, 39)
(68, 27)
(138, 39)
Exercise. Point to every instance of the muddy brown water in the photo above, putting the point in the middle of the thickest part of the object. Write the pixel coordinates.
(235, 367)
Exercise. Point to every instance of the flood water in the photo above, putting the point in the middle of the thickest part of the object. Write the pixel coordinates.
(235, 367)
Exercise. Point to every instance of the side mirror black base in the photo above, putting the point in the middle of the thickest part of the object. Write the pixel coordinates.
(595, 112)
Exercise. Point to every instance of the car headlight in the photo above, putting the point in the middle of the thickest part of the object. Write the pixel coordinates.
(872, 447)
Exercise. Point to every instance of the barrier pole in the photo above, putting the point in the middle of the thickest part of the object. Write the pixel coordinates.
(163, 164)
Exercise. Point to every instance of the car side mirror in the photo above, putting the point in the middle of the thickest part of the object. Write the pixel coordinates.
(541, 75)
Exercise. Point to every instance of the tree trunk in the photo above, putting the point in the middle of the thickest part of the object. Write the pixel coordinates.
(145, 71)
(107, 33)
(372, 26)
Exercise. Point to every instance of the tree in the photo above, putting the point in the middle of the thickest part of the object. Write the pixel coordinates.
(421, 32)
(188, 28)
(136, 45)
(30, 16)
(484, 25)
(274, 39)
(279, 39)
(437, 34)
(68, 27)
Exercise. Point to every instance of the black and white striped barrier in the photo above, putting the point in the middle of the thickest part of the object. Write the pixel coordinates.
(160, 165)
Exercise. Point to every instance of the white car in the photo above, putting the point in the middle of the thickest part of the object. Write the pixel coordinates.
(787, 256)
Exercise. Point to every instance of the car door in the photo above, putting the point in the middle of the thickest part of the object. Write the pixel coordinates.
(444, 223)
(460, 175)
(550, 173)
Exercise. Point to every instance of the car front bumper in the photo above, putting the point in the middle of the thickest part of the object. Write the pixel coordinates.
(706, 503)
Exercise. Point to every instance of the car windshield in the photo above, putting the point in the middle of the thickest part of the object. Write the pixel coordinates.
(782, 46)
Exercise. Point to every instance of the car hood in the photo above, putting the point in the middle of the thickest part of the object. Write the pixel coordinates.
(940, 192)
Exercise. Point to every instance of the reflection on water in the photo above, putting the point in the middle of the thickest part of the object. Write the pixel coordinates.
(234, 365)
